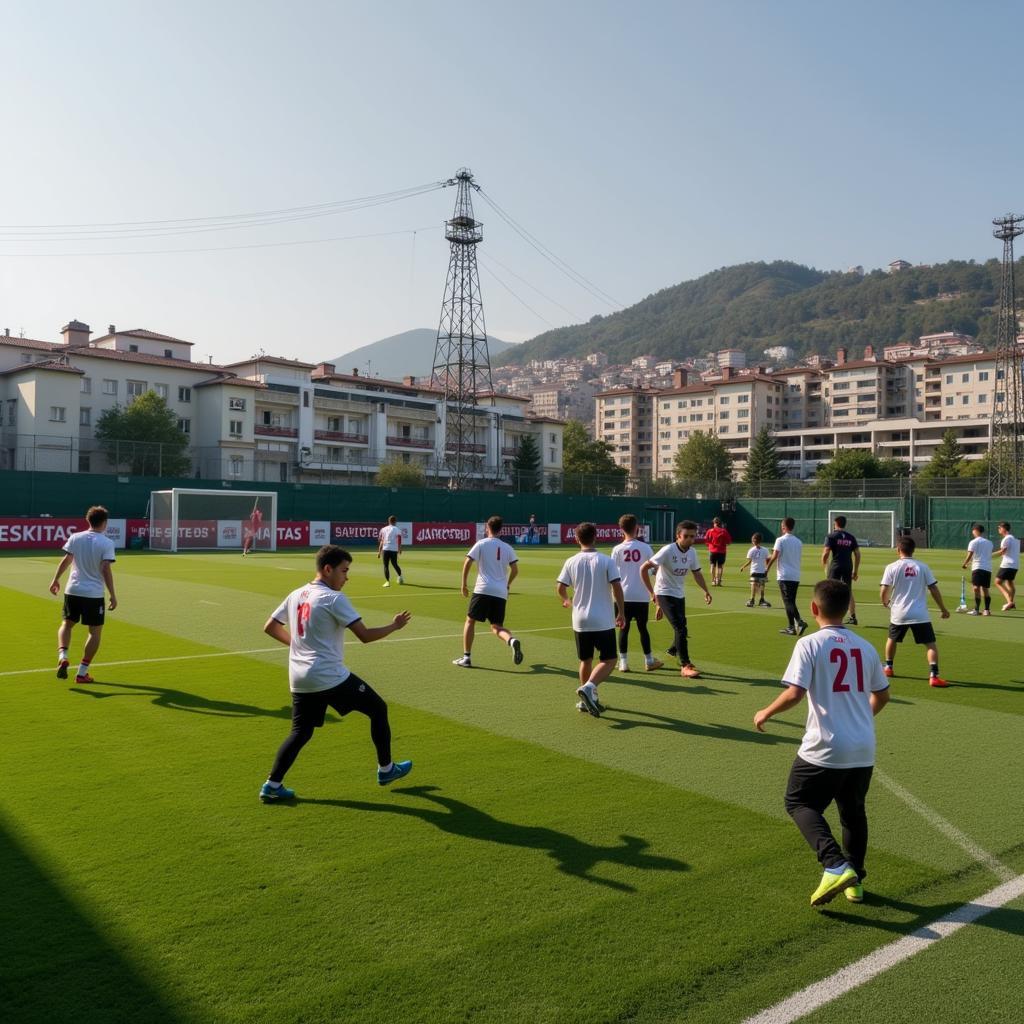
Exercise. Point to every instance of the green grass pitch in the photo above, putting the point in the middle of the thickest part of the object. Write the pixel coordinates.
(537, 866)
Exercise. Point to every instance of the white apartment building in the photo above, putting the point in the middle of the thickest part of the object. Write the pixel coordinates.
(624, 417)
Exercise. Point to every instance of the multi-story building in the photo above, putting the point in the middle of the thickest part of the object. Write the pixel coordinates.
(624, 417)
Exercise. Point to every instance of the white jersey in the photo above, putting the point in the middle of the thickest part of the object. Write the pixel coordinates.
(981, 551)
(758, 560)
(673, 567)
(492, 557)
(317, 618)
(790, 547)
(1010, 550)
(628, 557)
(908, 599)
(839, 670)
(590, 574)
(90, 549)
(389, 538)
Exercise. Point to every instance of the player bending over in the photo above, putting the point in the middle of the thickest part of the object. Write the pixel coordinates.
(311, 622)
(628, 557)
(497, 565)
(842, 677)
(1009, 549)
(757, 559)
(979, 554)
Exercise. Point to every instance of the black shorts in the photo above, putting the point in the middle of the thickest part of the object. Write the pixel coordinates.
(981, 578)
(1006, 574)
(636, 611)
(924, 632)
(87, 610)
(310, 709)
(758, 577)
(716, 557)
(843, 573)
(487, 608)
(602, 641)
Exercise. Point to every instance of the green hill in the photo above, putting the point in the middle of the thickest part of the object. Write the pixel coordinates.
(753, 306)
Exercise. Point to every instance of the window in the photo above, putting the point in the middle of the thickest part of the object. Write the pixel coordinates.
(86, 386)
(235, 428)
(965, 378)
(135, 389)
(983, 398)
(551, 454)
(983, 375)
(965, 400)
(84, 462)
(133, 348)
(185, 426)
(110, 387)
(12, 411)
(724, 415)
(746, 398)
(949, 378)
(237, 404)
(551, 438)
(746, 412)
(305, 399)
(184, 394)
(161, 390)
(335, 423)
(85, 417)
(168, 354)
(949, 400)
(235, 465)
(724, 400)
(58, 413)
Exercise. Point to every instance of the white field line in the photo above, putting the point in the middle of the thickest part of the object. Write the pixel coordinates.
(949, 830)
(828, 989)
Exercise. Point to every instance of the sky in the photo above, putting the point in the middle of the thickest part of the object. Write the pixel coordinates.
(642, 144)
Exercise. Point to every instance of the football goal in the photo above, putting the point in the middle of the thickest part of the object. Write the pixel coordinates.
(873, 529)
(194, 520)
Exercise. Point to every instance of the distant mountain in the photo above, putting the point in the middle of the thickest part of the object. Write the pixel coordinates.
(411, 352)
(754, 306)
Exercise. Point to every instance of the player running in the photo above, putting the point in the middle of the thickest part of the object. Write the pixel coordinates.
(389, 543)
(90, 554)
(787, 552)
(311, 623)
(596, 593)
(1009, 549)
(842, 677)
(906, 584)
(497, 565)
(844, 550)
(979, 554)
(717, 540)
(251, 529)
(757, 559)
(628, 557)
(674, 562)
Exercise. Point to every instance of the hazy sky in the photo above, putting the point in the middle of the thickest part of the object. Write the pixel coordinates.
(643, 143)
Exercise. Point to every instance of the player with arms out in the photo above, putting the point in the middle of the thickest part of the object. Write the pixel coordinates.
(1009, 549)
(251, 530)
(906, 584)
(497, 565)
(628, 557)
(717, 540)
(787, 552)
(90, 554)
(674, 562)
(979, 554)
(842, 547)
(389, 544)
(311, 623)
(596, 593)
(842, 678)
(757, 559)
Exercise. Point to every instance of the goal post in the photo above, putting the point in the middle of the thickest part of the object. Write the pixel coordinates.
(873, 528)
(193, 519)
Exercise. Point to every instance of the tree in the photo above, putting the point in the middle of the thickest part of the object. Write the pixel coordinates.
(854, 464)
(144, 439)
(948, 459)
(763, 461)
(526, 465)
(703, 457)
(583, 458)
(400, 474)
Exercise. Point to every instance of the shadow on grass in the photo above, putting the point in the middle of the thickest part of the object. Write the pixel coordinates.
(650, 682)
(920, 917)
(57, 965)
(1014, 686)
(648, 720)
(539, 669)
(180, 700)
(572, 856)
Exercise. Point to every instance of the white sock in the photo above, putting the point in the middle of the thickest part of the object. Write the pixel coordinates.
(62, 654)
(83, 669)
(273, 785)
(649, 659)
(387, 767)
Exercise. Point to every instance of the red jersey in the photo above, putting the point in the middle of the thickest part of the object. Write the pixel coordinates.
(716, 539)
(256, 521)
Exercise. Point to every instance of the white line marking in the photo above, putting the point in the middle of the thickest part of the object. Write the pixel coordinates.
(852, 976)
(949, 830)
(215, 603)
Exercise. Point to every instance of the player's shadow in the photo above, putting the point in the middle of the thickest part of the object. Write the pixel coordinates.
(647, 683)
(572, 856)
(180, 700)
(648, 720)
(920, 917)
(1016, 685)
(540, 669)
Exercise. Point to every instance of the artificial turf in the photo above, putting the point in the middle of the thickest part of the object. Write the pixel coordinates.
(538, 865)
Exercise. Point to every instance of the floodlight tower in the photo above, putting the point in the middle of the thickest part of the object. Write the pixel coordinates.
(1008, 405)
(462, 365)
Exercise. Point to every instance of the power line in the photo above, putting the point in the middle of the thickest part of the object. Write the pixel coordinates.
(554, 302)
(519, 299)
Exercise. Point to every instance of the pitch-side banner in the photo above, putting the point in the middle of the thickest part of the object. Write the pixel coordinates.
(347, 534)
(607, 533)
(43, 532)
(427, 534)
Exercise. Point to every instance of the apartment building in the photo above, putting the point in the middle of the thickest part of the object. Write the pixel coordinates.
(624, 417)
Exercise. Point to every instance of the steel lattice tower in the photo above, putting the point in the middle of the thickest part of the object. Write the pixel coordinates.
(462, 365)
(1007, 410)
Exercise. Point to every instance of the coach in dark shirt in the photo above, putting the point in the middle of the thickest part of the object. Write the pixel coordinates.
(844, 550)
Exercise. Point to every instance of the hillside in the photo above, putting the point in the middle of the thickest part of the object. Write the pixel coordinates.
(753, 306)
(401, 354)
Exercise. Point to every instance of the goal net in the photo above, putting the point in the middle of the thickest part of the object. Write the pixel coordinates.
(194, 520)
(872, 529)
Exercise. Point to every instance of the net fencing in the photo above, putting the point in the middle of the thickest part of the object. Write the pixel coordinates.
(872, 529)
(194, 519)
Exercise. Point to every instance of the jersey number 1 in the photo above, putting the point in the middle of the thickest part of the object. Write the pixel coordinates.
(838, 657)
(301, 618)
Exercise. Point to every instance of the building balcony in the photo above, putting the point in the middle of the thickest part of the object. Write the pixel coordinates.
(469, 447)
(409, 442)
(268, 431)
(509, 449)
(341, 435)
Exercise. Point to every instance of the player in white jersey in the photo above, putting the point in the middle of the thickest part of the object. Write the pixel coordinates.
(628, 557)
(311, 623)
(1009, 550)
(787, 552)
(497, 565)
(906, 584)
(90, 554)
(979, 554)
(389, 545)
(842, 677)
(596, 598)
(757, 559)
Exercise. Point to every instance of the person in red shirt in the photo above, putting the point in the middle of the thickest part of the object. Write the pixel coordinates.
(717, 540)
(252, 528)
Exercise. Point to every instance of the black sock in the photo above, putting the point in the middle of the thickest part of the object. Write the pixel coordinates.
(988, 601)
(933, 668)
(977, 603)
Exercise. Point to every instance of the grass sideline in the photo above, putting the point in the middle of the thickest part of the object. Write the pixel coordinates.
(538, 865)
